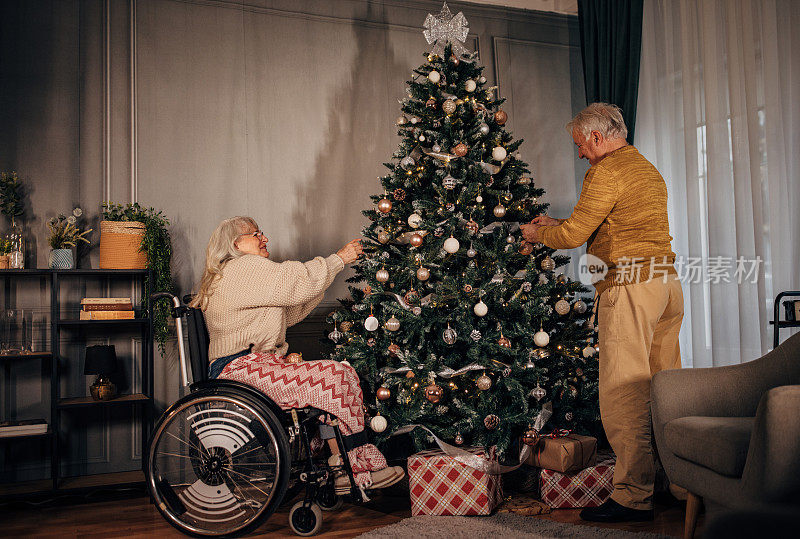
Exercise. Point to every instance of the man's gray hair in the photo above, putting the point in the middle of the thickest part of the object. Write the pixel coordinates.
(603, 117)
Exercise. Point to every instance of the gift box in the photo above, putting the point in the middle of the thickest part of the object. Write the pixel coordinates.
(570, 453)
(588, 488)
(440, 485)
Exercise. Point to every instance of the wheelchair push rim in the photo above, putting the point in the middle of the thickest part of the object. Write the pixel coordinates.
(217, 465)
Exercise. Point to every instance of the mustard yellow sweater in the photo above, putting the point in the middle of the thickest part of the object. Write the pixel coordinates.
(622, 214)
(256, 299)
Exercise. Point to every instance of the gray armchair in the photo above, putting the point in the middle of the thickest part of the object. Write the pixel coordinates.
(731, 435)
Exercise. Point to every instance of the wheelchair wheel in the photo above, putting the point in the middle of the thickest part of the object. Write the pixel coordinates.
(304, 520)
(218, 463)
(327, 499)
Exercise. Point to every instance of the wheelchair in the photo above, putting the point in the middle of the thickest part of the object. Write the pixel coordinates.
(223, 458)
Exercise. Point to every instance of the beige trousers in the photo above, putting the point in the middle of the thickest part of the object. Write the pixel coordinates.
(638, 326)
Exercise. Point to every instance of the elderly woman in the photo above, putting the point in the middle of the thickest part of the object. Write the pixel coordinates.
(248, 302)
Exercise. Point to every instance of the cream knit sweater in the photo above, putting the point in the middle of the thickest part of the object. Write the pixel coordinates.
(256, 299)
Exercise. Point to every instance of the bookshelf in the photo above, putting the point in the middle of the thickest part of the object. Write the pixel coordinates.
(63, 322)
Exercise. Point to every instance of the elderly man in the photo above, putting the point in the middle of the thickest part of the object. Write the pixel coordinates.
(622, 216)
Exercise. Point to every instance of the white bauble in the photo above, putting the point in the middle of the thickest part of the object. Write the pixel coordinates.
(414, 119)
(478, 199)
(470, 85)
(451, 245)
(562, 307)
(482, 80)
(371, 323)
(541, 338)
(471, 252)
(378, 423)
(483, 129)
(414, 220)
(499, 153)
(434, 76)
(480, 309)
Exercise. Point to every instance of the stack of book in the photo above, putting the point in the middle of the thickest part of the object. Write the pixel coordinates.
(22, 428)
(106, 309)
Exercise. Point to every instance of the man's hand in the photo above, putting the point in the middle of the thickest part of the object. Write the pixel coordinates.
(545, 220)
(350, 252)
(530, 232)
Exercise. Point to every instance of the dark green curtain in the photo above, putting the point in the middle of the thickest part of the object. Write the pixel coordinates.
(611, 43)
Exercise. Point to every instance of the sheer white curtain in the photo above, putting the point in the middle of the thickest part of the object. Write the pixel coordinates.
(719, 115)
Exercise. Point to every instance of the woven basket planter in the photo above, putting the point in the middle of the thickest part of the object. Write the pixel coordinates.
(120, 242)
(3, 261)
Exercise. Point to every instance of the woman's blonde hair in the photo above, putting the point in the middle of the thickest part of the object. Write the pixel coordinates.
(221, 249)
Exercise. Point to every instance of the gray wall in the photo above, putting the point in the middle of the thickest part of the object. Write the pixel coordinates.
(282, 110)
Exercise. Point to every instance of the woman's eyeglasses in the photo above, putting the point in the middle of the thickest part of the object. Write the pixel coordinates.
(257, 234)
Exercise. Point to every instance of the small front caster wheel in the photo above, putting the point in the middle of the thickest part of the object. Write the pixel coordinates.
(328, 500)
(305, 521)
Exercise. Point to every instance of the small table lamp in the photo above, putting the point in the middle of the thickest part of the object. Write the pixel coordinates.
(102, 361)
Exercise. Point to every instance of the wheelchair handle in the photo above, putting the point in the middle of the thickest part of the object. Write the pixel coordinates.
(176, 312)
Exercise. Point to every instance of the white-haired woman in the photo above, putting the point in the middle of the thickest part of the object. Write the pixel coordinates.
(248, 302)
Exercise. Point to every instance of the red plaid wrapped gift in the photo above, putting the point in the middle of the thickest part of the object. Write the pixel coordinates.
(588, 488)
(440, 485)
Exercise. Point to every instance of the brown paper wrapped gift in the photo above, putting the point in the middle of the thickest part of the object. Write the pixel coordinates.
(566, 454)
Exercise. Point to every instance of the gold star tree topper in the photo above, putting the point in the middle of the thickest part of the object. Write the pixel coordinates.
(445, 28)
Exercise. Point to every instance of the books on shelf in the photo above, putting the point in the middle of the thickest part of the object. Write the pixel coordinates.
(106, 309)
(106, 304)
(19, 428)
(107, 315)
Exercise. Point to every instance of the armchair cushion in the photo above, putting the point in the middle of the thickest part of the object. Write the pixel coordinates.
(717, 443)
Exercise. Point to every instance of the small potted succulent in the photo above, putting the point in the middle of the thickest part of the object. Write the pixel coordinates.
(5, 250)
(65, 233)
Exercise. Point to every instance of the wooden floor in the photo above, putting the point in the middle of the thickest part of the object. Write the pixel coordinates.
(135, 516)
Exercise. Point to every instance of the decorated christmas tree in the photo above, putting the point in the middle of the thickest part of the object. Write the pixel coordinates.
(460, 325)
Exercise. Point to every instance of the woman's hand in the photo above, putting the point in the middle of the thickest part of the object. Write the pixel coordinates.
(350, 252)
(545, 220)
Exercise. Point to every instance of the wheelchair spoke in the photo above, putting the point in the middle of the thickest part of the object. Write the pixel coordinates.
(246, 478)
(190, 444)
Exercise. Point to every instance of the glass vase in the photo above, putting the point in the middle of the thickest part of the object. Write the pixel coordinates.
(16, 258)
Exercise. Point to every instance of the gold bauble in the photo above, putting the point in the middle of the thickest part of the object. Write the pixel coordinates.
(393, 324)
(416, 240)
(530, 437)
(483, 382)
(548, 264)
(346, 325)
(423, 274)
(500, 117)
(434, 393)
(382, 275)
(384, 237)
(499, 211)
(525, 248)
(460, 149)
(383, 393)
(384, 205)
(449, 106)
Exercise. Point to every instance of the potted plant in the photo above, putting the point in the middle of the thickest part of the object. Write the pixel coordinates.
(5, 249)
(11, 193)
(145, 229)
(65, 233)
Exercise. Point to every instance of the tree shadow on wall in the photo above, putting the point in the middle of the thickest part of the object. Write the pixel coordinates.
(328, 209)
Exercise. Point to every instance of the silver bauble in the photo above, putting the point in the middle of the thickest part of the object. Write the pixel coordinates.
(499, 211)
(449, 182)
(471, 252)
(483, 382)
(449, 335)
(470, 85)
(475, 335)
(483, 129)
(449, 106)
(510, 239)
(407, 162)
(579, 306)
(548, 264)
(436, 148)
(384, 237)
(423, 274)
(335, 335)
(402, 120)
(382, 275)
(538, 392)
(384, 205)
